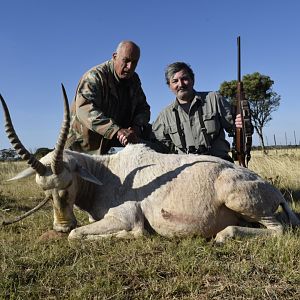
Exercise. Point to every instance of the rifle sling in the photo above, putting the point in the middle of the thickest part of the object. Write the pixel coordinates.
(248, 129)
(180, 131)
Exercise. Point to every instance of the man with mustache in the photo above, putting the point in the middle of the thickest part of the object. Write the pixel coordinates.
(110, 107)
(195, 121)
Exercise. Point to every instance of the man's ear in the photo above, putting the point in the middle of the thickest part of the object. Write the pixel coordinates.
(114, 56)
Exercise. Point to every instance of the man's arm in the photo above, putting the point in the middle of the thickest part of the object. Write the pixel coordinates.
(90, 114)
(225, 113)
(160, 139)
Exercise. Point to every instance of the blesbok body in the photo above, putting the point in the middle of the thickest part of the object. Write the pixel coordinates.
(138, 190)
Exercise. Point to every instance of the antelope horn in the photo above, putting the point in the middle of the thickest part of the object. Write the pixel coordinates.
(57, 160)
(17, 145)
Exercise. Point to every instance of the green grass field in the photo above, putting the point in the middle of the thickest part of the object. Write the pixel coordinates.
(147, 268)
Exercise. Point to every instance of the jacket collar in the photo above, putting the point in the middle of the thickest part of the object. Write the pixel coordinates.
(197, 100)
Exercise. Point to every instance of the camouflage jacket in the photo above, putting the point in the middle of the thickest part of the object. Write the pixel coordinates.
(103, 104)
(216, 114)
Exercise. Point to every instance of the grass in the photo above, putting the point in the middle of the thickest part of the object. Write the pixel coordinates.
(280, 167)
(147, 268)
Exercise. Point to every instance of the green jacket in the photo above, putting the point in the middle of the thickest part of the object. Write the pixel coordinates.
(103, 104)
(217, 117)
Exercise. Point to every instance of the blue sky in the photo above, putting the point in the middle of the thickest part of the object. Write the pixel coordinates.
(46, 43)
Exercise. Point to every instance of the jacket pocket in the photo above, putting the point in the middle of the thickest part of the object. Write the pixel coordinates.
(211, 123)
(174, 135)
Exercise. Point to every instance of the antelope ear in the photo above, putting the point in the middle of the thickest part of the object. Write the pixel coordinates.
(86, 175)
(25, 173)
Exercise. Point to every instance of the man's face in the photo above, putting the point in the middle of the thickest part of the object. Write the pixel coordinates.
(126, 60)
(181, 84)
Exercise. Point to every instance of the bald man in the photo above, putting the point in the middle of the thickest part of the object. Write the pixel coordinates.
(110, 107)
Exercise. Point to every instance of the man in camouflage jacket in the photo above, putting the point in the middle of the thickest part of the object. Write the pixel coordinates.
(196, 121)
(110, 107)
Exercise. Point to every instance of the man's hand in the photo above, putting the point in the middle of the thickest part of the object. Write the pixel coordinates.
(238, 121)
(126, 136)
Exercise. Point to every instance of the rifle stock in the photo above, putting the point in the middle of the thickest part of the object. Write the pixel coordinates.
(243, 136)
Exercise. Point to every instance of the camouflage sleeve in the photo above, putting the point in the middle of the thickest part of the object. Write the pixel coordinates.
(142, 110)
(89, 92)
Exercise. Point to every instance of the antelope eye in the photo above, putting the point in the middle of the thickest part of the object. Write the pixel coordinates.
(63, 194)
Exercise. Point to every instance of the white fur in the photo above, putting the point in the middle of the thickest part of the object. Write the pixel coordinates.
(175, 194)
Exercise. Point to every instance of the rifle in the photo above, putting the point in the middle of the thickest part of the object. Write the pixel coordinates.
(242, 140)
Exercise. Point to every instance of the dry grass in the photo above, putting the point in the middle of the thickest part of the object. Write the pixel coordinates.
(148, 268)
(282, 168)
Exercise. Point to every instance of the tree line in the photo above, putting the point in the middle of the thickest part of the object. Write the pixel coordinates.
(263, 100)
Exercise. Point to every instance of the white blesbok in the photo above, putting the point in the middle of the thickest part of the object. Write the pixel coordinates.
(138, 190)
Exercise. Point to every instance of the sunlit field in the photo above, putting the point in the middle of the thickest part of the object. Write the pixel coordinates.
(282, 168)
(147, 268)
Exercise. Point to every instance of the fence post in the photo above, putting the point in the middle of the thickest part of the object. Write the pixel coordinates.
(275, 144)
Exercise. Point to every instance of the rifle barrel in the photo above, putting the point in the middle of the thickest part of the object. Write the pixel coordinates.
(239, 58)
